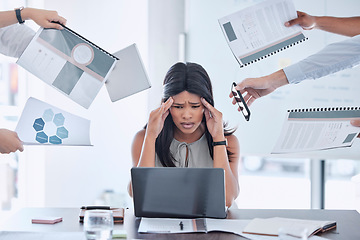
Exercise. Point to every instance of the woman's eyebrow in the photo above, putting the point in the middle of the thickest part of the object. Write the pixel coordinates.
(194, 103)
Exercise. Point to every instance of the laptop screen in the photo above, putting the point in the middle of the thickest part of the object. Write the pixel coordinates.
(179, 192)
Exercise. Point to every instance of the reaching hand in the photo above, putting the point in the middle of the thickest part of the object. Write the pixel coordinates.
(44, 18)
(306, 21)
(157, 118)
(259, 87)
(9, 141)
(356, 123)
(214, 121)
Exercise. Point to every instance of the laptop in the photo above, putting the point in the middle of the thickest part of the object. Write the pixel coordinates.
(128, 76)
(179, 192)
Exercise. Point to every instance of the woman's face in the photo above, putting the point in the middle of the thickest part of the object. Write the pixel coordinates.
(187, 112)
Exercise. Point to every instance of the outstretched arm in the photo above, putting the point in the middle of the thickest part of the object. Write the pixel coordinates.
(349, 26)
(254, 88)
(41, 17)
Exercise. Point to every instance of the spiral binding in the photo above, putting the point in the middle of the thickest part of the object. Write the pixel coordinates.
(272, 53)
(324, 109)
(93, 44)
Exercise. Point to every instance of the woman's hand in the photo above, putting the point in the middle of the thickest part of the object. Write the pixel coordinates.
(214, 121)
(157, 118)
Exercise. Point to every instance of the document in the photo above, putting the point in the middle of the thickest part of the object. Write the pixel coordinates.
(317, 129)
(205, 225)
(177, 225)
(294, 227)
(68, 62)
(258, 31)
(43, 124)
(128, 76)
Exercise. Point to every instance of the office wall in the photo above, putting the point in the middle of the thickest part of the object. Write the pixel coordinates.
(206, 45)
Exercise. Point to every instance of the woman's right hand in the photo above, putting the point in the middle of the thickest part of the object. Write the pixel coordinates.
(157, 118)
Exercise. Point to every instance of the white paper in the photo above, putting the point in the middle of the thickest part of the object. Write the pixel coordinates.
(263, 237)
(310, 134)
(172, 225)
(235, 226)
(42, 235)
(259, 30)
(166, 225)
(69, 63)
(42, 123)
(271, 226)
(128, 76)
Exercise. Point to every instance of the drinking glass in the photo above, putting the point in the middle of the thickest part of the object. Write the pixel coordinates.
(98, 224)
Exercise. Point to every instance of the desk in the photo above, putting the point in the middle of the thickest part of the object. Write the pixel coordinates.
(348, 222)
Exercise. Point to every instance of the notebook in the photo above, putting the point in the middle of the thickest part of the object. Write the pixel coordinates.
(258, 32)
(294, 227)
(317, 129)
(128, 76)
(178, 192)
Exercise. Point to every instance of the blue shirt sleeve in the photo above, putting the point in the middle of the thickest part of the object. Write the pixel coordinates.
(333, 58)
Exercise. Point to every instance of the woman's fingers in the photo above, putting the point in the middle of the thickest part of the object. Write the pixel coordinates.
(213, 112)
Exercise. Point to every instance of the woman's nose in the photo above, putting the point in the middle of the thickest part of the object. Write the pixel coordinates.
(186, 114)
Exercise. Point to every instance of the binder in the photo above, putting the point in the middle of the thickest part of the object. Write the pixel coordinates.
(258, 32)
(88, 41)
(314, 129)
(70, 63)
(78, 68)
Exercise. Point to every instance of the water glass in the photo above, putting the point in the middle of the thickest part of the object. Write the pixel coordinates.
(98, 224)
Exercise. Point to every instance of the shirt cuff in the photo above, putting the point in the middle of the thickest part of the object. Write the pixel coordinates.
(294, 74)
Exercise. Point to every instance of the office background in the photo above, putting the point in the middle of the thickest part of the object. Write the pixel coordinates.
(167, 32)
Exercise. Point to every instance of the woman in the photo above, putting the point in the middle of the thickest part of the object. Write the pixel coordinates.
(187, 131)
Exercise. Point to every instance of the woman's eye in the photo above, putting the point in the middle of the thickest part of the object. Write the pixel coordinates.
(177, 107)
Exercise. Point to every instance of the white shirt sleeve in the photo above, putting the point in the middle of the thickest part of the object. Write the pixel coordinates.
(14, 39)
(333, 58)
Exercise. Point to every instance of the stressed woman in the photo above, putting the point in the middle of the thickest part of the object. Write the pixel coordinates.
(187, 130)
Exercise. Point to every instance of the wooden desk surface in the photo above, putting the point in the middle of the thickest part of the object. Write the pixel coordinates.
(348, 222)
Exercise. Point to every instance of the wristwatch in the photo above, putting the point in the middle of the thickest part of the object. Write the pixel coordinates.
(18, 14)
(220, 143)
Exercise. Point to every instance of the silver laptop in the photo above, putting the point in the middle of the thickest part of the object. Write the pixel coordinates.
(128, 76)
(179, 192)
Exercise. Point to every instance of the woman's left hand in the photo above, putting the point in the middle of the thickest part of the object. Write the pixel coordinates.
(214, 121)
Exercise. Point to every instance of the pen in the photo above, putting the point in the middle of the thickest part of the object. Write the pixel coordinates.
(181, 225)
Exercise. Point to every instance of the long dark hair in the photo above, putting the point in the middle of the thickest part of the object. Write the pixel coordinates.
(193, 78)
